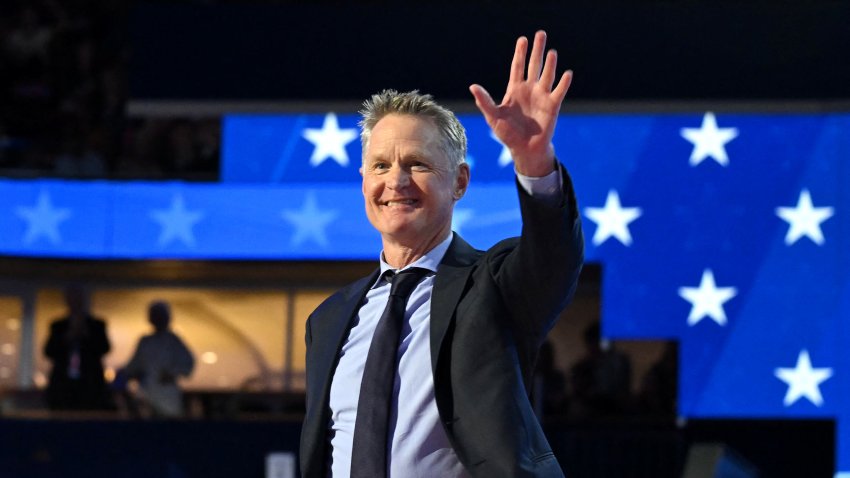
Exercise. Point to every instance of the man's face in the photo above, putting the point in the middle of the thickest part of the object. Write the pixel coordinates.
(408, 184)
(76, 300)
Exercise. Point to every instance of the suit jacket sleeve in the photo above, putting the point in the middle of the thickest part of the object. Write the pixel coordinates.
(538, 277)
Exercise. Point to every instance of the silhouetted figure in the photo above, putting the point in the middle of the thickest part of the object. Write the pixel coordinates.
(602, 380)
(76, 346)
(160, 359)
(550, 384)
(660, 384)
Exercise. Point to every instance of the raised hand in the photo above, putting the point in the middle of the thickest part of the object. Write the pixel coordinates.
(525, 120)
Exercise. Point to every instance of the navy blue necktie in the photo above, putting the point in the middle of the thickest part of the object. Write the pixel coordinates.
(371, 428)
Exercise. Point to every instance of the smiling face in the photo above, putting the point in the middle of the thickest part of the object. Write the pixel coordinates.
(408, 183)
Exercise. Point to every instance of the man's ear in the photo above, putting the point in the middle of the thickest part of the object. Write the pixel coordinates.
(461, 181)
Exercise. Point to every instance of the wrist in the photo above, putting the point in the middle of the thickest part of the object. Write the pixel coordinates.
(536, 165)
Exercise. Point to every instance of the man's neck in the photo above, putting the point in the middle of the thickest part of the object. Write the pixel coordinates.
(399, 255)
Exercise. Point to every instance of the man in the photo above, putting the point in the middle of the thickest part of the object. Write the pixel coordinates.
(160, 358)
(461, 370)
(76, 346)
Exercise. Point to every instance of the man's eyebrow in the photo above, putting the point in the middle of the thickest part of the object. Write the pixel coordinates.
(417, 155)
(374, 157)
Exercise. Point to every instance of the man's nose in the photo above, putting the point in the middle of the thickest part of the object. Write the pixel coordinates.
(398, 178)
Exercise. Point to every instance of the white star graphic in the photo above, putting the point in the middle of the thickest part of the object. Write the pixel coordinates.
(804, 219)
(176, 222)
(707, 299)
(803, 380)
(612, 220)
(329, 141)
(505, 156)
(709, 140)
(309, 221)
(43, 219)
(461, 217)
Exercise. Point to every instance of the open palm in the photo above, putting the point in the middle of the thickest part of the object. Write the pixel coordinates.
(525, 120)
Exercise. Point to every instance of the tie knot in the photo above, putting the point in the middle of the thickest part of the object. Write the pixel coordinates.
(405, 281)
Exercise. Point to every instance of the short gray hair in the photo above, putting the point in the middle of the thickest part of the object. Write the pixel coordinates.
(416, 104)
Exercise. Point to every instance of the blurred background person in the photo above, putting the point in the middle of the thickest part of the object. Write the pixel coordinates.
(657, 396)
(76, 346)
(602, 379)
(159, 360)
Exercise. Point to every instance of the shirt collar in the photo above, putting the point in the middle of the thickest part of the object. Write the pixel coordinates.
(429, 261)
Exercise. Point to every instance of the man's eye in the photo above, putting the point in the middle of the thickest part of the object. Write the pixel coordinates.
(380, 166)
(419, 166)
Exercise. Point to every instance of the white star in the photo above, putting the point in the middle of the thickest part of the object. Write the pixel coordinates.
(612, 220)
(803, 380)
(461, 217)
(505, 156)
(309, 221)
(176, 222)
(804, 219)
(43, 219)
(329, 141)
(709, 140)
(707, 299)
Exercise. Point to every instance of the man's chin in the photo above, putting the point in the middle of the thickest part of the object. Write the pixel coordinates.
(407, 234)
(401, 234)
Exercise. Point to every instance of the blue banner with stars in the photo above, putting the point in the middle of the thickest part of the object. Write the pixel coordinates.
(727, 232)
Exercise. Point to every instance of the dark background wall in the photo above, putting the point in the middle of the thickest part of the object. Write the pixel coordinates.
(226, 449)
(619, 50)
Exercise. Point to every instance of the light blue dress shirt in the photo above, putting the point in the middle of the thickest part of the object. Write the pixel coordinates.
(418, 446)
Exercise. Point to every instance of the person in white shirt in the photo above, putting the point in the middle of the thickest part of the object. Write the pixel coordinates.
(160, 359)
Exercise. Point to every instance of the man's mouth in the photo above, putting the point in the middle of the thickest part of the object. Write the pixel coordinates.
(399, 202)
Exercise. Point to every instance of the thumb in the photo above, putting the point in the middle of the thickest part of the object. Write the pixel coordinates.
(483, 101)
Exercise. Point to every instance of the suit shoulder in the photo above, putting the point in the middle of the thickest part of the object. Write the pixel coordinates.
(97, 324)
(504, 244)
(329, 302)
(344, 294)
(501, 248)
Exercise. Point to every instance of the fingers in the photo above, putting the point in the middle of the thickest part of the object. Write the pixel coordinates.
(560, 90)
(548, 76)
(538, 69)
(484, 101)
(518, 63)
(535, 63)
(542, 69)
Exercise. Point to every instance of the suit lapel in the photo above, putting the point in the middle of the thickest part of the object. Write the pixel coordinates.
(451, 278)
(329, 326)
(336, 324)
